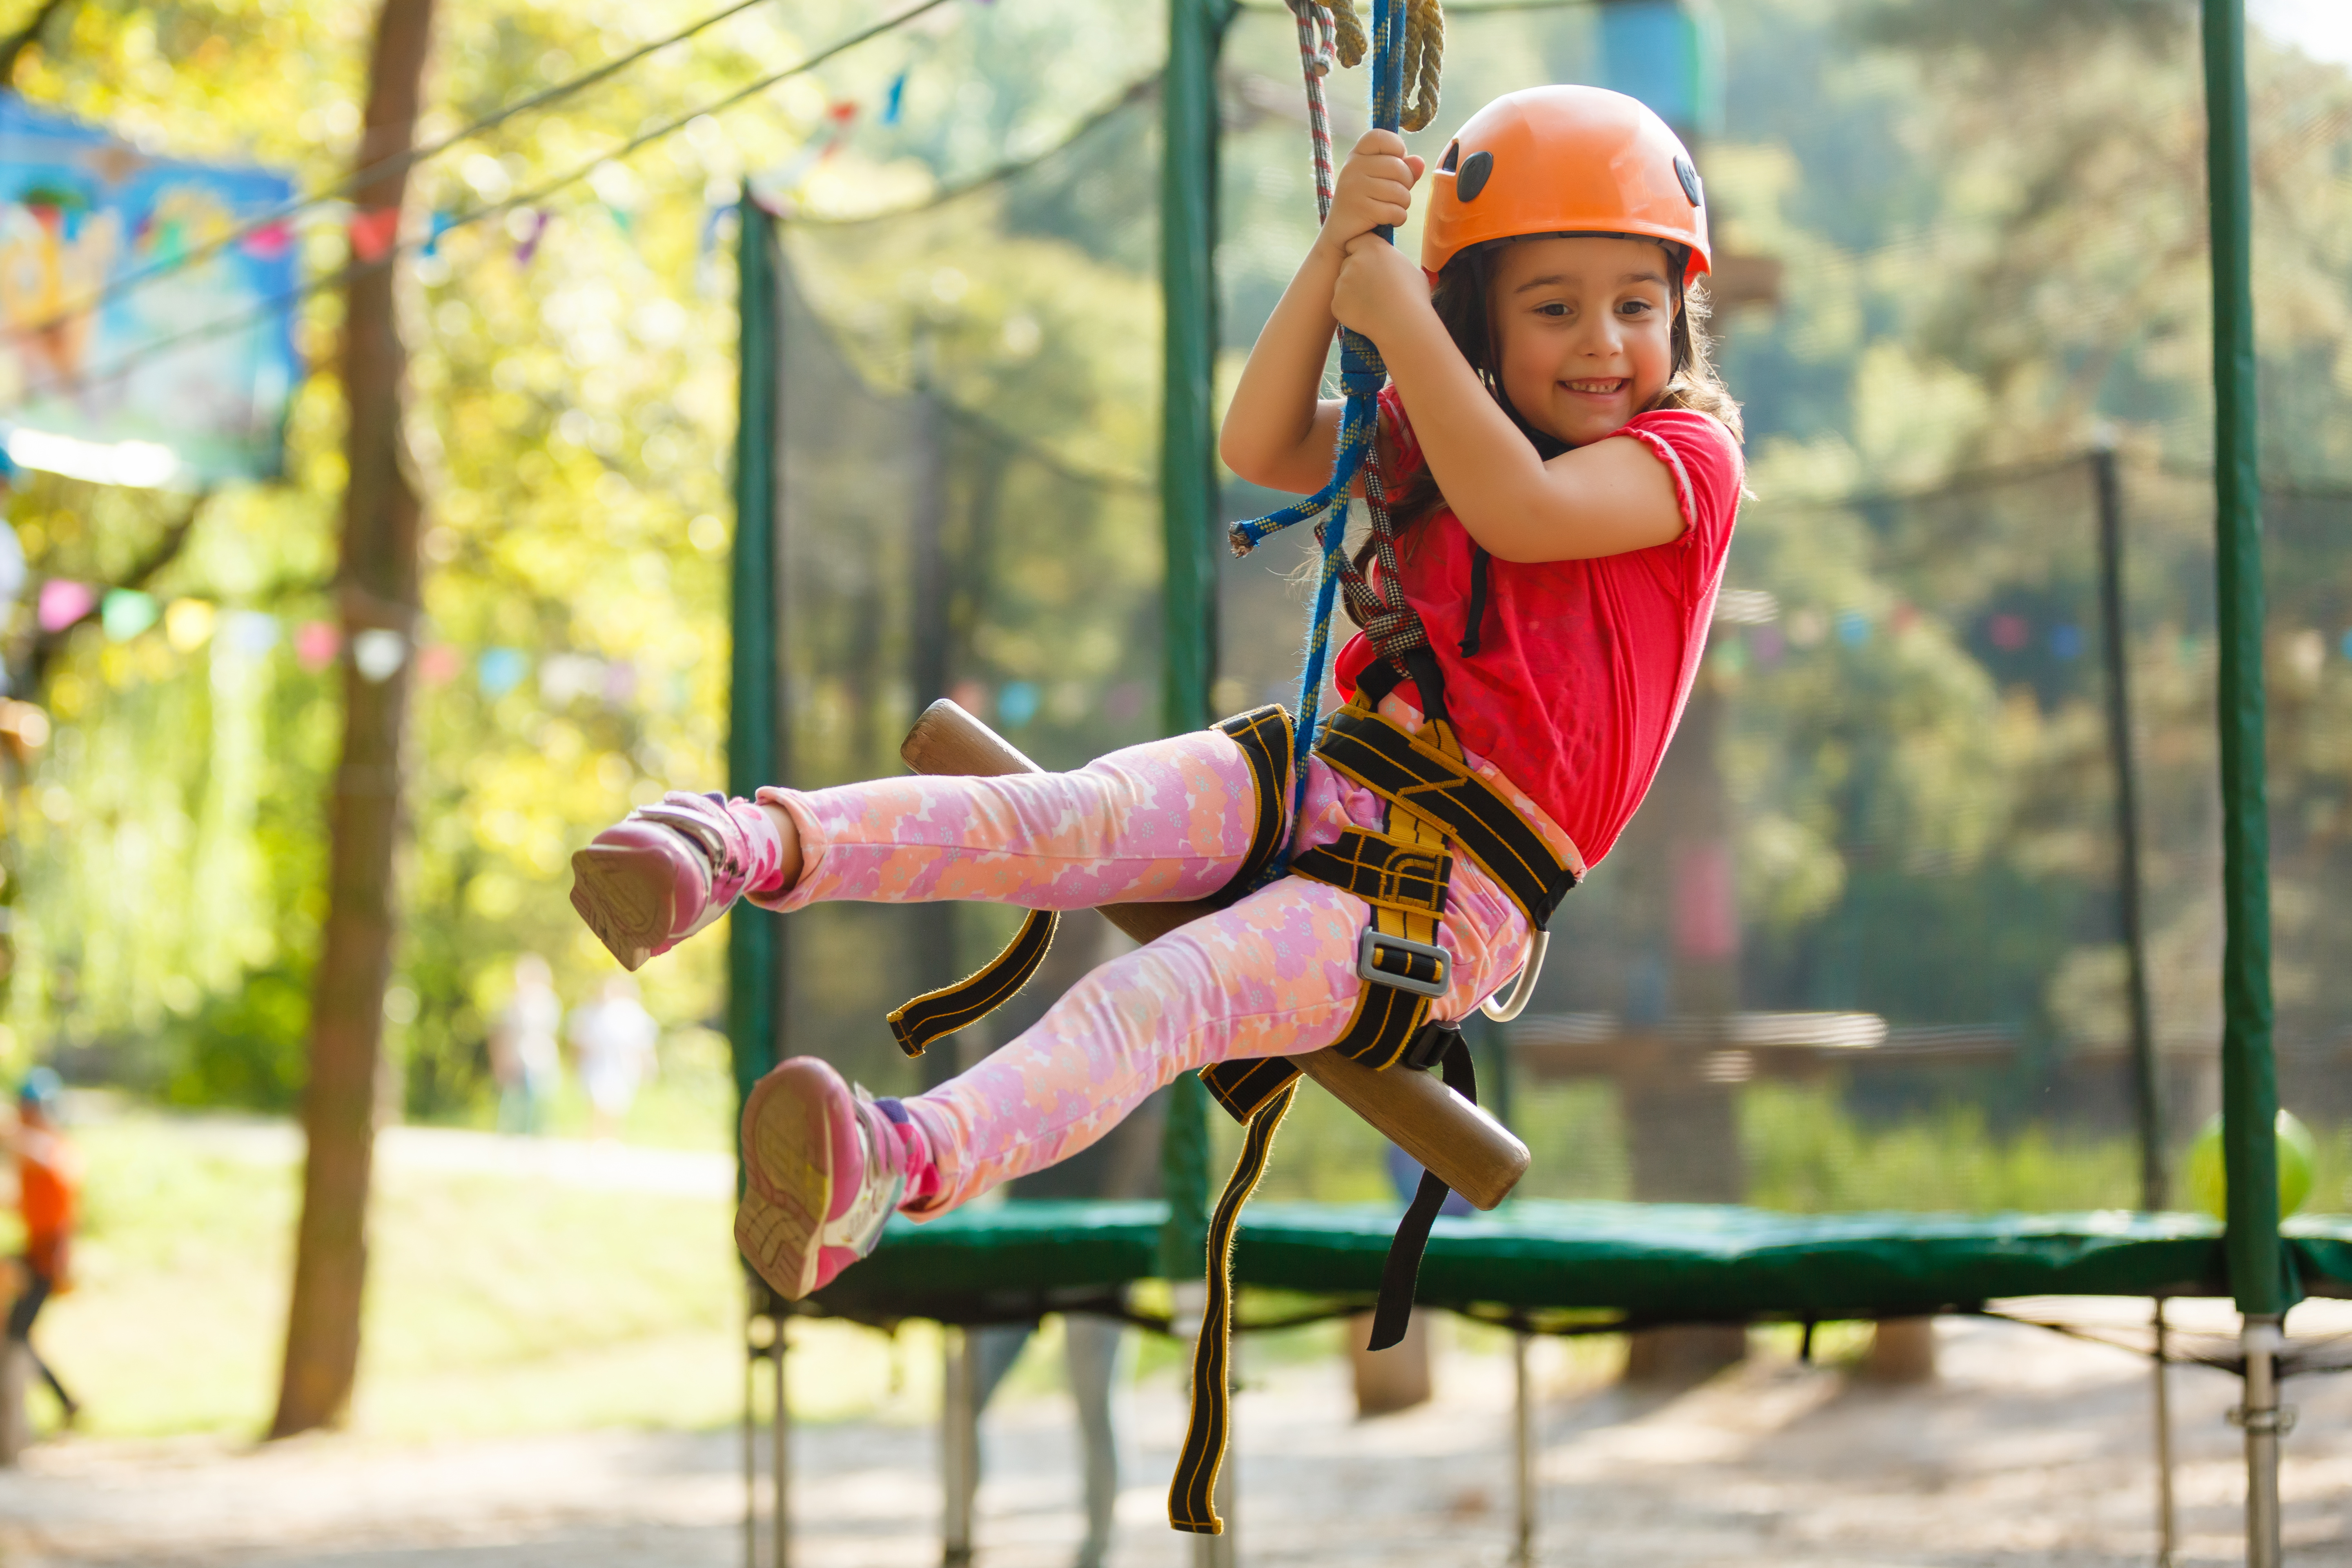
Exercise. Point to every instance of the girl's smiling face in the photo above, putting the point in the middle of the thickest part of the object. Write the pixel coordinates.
(1584, 331)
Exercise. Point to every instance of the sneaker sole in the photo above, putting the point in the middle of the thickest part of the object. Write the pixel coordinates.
(788, 1176)
(621, 892)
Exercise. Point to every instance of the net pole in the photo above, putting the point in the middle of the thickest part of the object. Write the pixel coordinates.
(2249, 1077)
(931, 927)
(754, 749)
(1188, 495)
(2146, 1083)
(1187, 234)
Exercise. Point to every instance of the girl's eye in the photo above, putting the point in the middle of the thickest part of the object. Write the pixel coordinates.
(1635, 308)
(1551, 308)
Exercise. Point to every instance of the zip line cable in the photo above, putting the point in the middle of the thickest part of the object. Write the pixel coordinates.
(401, 162)
(352, 273)
(383, 168)
(1491, 8)
(1134, 92)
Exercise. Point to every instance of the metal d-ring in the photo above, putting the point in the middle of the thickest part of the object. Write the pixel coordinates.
(1524, 992)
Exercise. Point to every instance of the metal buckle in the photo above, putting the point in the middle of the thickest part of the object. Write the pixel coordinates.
(1373, 943)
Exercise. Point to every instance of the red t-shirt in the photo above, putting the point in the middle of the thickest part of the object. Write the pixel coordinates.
(1582, 666)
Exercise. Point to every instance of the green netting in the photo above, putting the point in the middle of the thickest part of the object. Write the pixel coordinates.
(1862, 950)
(966, 509)
(1863, 947)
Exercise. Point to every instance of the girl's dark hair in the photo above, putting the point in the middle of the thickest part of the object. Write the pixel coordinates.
(1461, 302)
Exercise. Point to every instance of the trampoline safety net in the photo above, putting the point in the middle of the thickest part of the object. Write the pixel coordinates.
(967, 507)
(1864, 947)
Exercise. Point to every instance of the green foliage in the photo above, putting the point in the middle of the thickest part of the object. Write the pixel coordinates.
(246, 1047)
(1807, 1154)
(570, 424)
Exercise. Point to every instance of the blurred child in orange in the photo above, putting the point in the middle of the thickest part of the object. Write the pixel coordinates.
(48, 1191)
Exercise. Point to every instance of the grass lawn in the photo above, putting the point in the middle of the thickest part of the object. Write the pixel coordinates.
(497, 1303)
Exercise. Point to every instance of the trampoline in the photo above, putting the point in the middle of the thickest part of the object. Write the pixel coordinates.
(1538, 1265)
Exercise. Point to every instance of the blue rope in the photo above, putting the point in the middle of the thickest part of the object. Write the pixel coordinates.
(1362, 378)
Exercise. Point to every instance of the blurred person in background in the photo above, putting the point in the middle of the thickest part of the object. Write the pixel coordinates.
(524, 1059)
(49, 1191)
(612, 1040)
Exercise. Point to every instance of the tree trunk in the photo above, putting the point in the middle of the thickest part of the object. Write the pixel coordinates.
(377, 584)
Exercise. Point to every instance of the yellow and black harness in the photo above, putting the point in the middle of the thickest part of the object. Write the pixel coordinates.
(1436, 807)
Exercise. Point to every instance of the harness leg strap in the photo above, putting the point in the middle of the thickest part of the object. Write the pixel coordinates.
(1401, 1272)
(1190, 1505)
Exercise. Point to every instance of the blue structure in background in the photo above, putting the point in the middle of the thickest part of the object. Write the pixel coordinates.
(140, 391)
(1668, 54)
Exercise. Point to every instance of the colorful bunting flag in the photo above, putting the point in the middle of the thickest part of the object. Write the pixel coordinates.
(565, 676)
(1018, 703)
(438, 665)
(316, 644)
(534, 230)
(501, 669)
(270, 241)
(377, 652)
(374, 233)
(250, 632)
(188, 622)
(126, 612)
(64, 603)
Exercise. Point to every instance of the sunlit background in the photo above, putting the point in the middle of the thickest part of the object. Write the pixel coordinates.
(1965, 268)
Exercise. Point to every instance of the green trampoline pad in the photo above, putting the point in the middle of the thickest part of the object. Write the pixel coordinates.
(1651, 1262)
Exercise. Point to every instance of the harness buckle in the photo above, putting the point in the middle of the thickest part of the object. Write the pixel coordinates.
(1403, 964)
(1429, 1047)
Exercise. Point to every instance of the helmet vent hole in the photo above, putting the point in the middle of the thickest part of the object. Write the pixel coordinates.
(1688, 176)
(1453, 158)
(1476, 171)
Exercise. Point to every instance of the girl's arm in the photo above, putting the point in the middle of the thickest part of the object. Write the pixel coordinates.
(1602, 500)
(1277, 432)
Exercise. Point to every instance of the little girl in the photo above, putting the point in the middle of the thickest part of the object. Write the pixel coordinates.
(1564, 468)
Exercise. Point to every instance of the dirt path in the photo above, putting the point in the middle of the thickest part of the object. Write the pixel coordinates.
(2030, 1449)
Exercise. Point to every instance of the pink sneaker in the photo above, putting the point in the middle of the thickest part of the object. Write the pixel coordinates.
(668, 870)
(823, 1170)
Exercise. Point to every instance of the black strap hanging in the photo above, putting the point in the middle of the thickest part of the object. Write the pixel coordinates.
(1400, 1274)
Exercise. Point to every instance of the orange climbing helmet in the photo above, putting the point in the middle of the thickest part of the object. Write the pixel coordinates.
(1564, 159)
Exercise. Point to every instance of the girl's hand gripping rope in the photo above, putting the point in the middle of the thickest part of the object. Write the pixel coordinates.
(1375, 191)
(1380, 291)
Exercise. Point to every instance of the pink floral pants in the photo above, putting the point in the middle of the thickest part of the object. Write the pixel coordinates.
(1273, 975)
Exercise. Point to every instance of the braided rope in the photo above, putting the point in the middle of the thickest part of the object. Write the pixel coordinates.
(1424, 53)
(1393, 626)
(1316, 44)
(1352, 44)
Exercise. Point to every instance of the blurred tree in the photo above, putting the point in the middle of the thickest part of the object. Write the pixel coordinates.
(379, 592)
